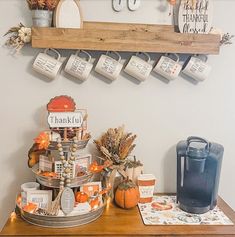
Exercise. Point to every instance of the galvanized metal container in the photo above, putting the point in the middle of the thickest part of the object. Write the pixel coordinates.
(42, 18)
(67, 144)
(61, 221)
(55, 182)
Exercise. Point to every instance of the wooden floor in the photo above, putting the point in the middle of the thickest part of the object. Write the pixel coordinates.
(119, 222)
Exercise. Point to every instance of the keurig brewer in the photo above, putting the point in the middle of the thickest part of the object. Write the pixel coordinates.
(198, 173)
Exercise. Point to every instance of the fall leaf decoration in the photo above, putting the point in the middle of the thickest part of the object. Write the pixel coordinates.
(115, 144)
(42, 140)
(34, 154)
(42, 4)
(62, 103)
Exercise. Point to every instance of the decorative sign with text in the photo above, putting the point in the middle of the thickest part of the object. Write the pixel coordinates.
(65, 119)
(67, 200)
(195, 16)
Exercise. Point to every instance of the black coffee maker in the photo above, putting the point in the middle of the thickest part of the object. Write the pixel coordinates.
(198, 172)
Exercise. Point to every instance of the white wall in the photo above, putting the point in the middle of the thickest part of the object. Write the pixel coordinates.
(160, 113)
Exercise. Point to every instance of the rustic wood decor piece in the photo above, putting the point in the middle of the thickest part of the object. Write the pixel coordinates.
(119, 222)
(68, 14)
(125, 37)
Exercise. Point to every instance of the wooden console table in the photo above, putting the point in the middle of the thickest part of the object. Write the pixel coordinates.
(119, 222)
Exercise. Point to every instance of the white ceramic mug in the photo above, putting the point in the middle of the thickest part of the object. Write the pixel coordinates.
(47, 65)
(168, 67)
(30, 186)
(79, 67)
(197, 68)
(108, 66)
(138, 67)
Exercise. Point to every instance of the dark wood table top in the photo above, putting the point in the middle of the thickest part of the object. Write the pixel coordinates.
(119, 222)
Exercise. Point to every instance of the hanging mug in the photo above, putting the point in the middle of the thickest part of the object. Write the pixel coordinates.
(79, 67)
(197, 68)
(108, 66)
(138, 67)
(168, 67)
(47, 65)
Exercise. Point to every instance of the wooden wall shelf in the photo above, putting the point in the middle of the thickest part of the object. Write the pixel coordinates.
(125, 37)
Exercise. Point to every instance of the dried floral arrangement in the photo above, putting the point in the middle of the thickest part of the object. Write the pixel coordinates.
(42, 4)
(19, 36)
(116, 145)
(226, 39)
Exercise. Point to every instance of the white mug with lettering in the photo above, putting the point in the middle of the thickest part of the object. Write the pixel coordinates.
(47, 65)
(197, 68)
(79, 67)
(168, 67)
(108, 66)
(138, 67)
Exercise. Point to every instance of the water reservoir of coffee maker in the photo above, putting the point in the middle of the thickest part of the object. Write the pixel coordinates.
(198, 172)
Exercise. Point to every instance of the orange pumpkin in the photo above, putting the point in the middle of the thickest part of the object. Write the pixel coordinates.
(127, 194)
(81, 197)
(94, 203)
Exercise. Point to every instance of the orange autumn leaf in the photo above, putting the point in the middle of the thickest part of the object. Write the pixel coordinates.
(42, 140)
(30, 207)
(95, 168)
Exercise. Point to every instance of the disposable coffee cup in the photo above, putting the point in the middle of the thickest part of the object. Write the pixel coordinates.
(146, 183)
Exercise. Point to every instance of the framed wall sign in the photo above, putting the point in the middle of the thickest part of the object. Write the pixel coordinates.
(195, 16)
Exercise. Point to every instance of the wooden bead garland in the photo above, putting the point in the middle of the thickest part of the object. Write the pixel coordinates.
(67, 162)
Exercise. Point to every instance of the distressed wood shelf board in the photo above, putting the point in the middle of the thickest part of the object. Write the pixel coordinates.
(125, 37)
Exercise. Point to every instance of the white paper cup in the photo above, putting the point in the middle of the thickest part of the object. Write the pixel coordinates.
(146, 183)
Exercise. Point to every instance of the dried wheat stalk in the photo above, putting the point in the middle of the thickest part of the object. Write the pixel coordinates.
(115, 144)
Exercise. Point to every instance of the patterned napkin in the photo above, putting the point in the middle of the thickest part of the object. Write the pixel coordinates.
(164, 211)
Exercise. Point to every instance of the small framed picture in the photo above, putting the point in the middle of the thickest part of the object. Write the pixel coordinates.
(59, 168)
(82, 163)
(92, 189)
(45, 163)
(43, 198)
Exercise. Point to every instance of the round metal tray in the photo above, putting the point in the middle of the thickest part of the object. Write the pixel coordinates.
(55, 182)
(61, 221)
(67, 144)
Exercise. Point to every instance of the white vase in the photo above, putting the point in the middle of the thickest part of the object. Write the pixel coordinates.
(42, 18)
